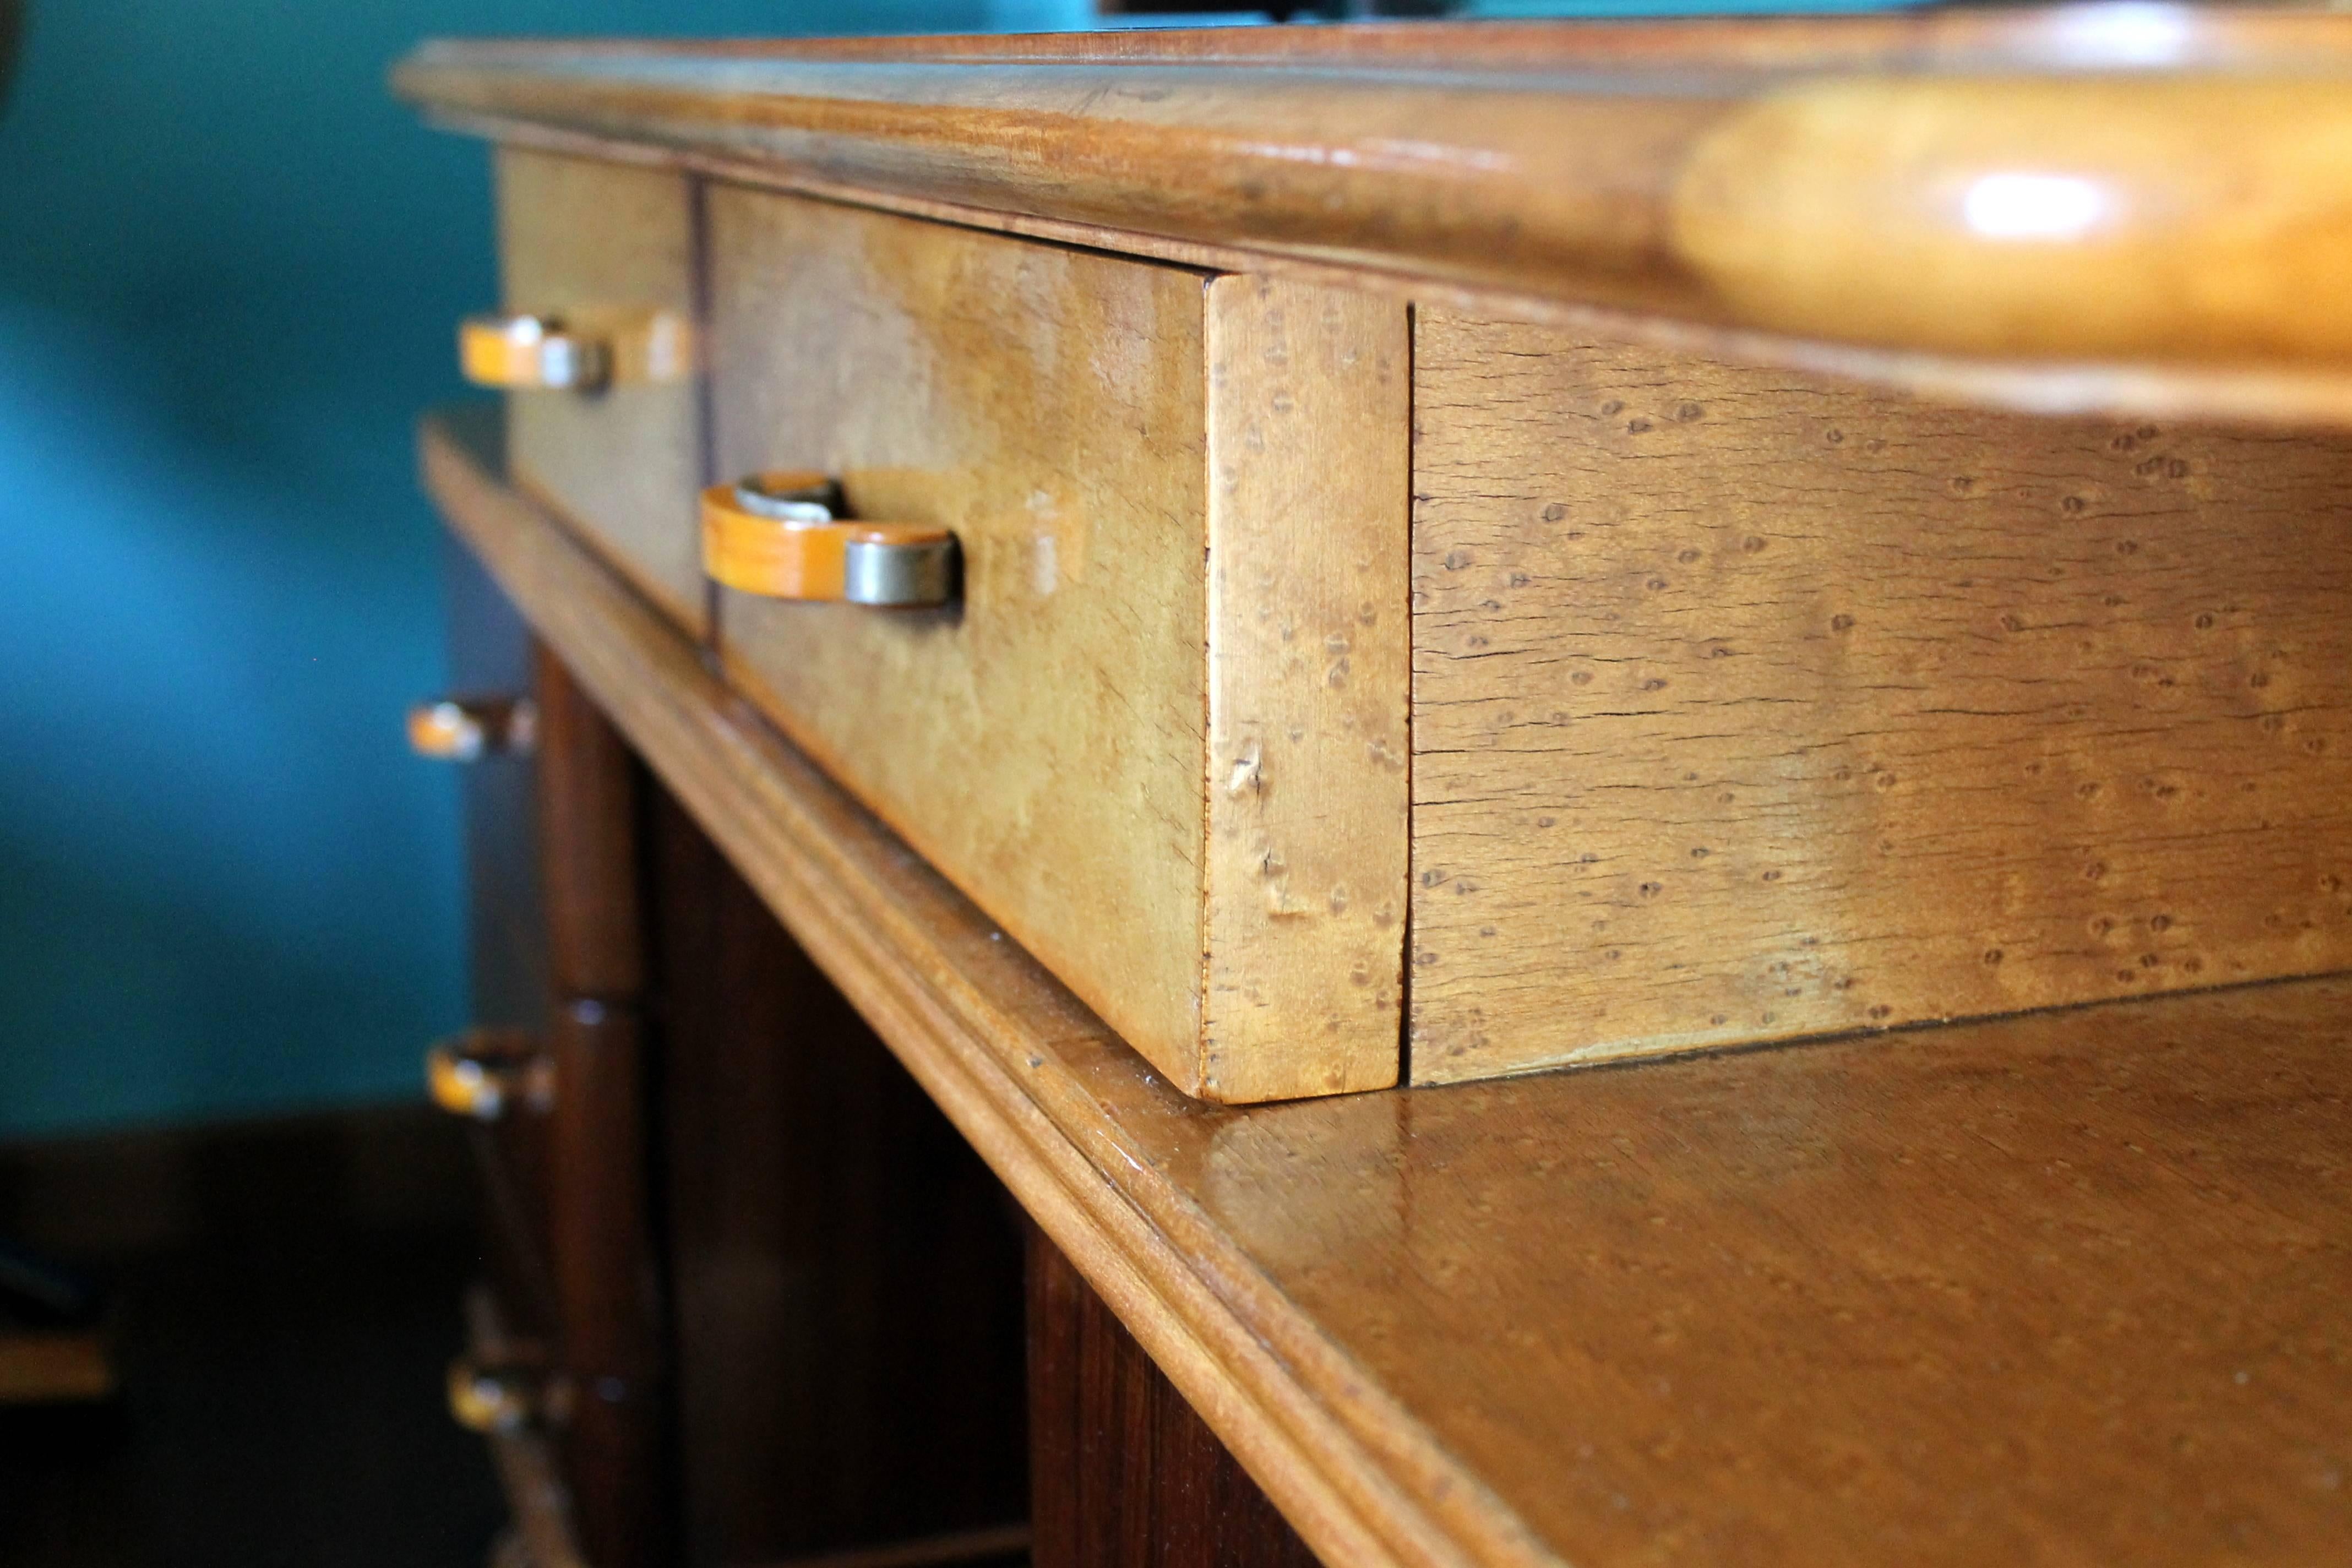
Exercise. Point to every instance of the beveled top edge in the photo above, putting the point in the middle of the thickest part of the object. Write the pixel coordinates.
(2115, 35)
(2155, 189)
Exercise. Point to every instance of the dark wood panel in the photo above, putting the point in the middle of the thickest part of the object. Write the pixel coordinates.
(847, 1272)
(599, 1172)
(1124, 1474)
(588, 835)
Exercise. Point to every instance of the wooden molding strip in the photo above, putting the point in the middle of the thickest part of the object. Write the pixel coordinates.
(2289, 396)
(2031, 189)
(1025, 1072)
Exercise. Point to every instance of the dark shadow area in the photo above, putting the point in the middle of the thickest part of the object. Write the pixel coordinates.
(286, 1304)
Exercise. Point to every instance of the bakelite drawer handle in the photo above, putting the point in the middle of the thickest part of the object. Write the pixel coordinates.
(467, 729)
(493, 1399)
(525, 351)
(485, 1073)
(781, 535)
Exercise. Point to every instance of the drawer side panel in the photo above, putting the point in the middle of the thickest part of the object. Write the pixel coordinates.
(1750, 705)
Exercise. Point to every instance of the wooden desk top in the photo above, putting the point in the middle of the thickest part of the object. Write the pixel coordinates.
(2067, 1289)
(2128, 207)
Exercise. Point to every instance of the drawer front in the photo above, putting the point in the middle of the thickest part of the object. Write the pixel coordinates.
(1160, 736)
(1748, 707)
(611, 246)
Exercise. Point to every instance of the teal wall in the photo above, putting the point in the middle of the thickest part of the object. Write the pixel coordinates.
(229, 266)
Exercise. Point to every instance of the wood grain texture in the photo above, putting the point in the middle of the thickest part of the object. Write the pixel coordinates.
(586, 820)
(847, 1272)
(1308, 651)
(598, 240)
(1013, 1058)
(2066, 1289)
(1748, 707)
(609, 1323)
(1595, 168)
(1124, 1475)
(1042, 739)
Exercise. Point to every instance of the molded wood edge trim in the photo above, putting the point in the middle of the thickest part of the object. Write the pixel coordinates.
(984, 1032)
(2247, 395)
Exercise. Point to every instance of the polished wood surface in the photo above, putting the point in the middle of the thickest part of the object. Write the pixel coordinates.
(1124, 1474)
(614, 248)
(1762, 1307)
(2118, 186)
(1309, 463)
(1749, 705)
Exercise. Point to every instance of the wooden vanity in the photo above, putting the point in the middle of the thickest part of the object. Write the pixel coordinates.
(1104, 617)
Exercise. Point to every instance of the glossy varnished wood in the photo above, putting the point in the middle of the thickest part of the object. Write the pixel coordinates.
(584, 239)
(1762, 1307)
(1812, 180)
(1749, 705)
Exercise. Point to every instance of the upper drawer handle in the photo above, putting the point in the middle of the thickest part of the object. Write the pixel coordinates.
(586, 353)
(781, 535)
(467, 729)
(526, 351)
(485, 1073)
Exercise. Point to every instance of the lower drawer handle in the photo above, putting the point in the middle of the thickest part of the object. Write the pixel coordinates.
(485, 1073)
(529, 351)
(488, 1399)
(467, 729)
(781, 535)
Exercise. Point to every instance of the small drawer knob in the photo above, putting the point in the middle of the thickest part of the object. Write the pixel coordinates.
(782, 535)
(583, 351)
(493, 1399)
(486, 1073)
(467, 729)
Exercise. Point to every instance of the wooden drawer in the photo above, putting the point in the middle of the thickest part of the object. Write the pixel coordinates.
(611, 247)
(1749, 705)
(1162, 735)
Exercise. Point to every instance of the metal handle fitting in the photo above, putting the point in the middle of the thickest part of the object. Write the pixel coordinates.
(465, 728)
(492, 1399)
(485, 1073)
(530, 351)
(781, 535)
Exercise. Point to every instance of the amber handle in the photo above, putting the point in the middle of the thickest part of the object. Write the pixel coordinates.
(577, 351)
(486, 1073)
(493, 1399)
(781, 535)
(467, 729)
